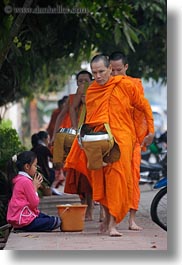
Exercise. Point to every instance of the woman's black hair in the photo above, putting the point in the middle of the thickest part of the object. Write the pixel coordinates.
(26, 157)
(17, 163)
(34, 140)
(42, 135)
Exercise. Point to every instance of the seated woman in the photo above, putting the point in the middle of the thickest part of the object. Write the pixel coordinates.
(40, 142)
(23, 213)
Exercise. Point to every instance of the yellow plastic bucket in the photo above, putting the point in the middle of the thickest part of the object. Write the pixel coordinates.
(72, 217)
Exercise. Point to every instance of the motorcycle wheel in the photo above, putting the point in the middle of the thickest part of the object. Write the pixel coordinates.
(158, 210)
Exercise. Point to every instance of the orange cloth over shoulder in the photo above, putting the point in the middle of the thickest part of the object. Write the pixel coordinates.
(112, 103)
(136, 176)
(52, 122)
(139, 117)
(72, 183)
(141, 131)
(66, 123)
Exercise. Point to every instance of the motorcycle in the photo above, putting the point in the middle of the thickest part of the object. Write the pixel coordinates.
(157, 173)
(158, 209)
(152, 172)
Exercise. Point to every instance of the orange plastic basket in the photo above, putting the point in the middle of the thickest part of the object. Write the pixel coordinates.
(72, 216)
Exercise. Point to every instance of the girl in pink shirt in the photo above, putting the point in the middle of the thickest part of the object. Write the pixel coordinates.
(23, 213)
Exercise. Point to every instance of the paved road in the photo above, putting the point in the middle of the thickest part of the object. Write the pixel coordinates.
(152, 237)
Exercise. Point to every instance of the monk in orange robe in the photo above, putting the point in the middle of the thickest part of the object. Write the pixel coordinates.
(111, 100)
(64, 118)
(55, 113)
(119, 67)
(76, 182)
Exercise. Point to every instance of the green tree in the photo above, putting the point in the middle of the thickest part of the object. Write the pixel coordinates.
(10, 145)
(48, 48)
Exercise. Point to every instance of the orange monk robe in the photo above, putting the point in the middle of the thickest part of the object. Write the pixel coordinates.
(141, 131)
(72, 181)
(112, 103)
(76, 182)
(139, 117)
(50, 128)
(66, 122)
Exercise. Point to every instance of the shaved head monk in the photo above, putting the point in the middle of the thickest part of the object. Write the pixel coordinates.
(111, 99)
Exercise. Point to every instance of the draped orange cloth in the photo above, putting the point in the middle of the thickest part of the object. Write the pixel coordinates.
(66, 123)
(136, 176)
(76, 182)
(52, 122)
(112, 103)
(58, 148)
(139, 117)
(141, 131)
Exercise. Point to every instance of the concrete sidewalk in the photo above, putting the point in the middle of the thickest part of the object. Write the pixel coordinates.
(152, 237)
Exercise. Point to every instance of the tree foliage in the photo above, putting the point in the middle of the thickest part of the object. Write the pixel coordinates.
(49, 47)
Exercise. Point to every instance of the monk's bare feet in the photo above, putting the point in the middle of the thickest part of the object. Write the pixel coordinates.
(104, 226)
(133, 226)
(112, 227)
(101, 214)
(114, 232)
(88, 217)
